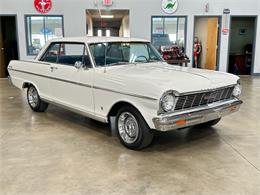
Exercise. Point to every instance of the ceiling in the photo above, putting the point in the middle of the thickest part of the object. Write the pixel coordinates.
(107, 22)
(118, 14)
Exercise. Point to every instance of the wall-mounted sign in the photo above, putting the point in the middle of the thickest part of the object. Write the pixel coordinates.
(107, 2)
(46, 31)
(170, 6)
(225, 31)
(207, 8)
(43, 6)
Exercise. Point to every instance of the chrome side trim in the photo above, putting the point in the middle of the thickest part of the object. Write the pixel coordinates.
(123, 93)
(38, 62)
(85, 85)
(89, 115)
(54, 78)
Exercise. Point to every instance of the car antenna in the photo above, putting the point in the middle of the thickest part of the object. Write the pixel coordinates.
(105, 69)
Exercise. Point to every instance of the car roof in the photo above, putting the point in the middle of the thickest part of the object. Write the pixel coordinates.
(92, 39)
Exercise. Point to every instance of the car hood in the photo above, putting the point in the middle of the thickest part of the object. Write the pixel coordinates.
(153, 79)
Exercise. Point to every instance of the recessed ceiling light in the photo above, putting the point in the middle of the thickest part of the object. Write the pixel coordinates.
(107, 16)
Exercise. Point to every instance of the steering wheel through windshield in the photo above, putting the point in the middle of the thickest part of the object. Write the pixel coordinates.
(146, 59)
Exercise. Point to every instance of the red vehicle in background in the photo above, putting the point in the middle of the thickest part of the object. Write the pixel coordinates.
(173, 52)
(170, 52)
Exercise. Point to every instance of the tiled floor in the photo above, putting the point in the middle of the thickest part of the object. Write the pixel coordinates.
(59, 152)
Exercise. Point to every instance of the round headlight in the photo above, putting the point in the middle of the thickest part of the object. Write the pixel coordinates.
(237, 91)
(167, 102)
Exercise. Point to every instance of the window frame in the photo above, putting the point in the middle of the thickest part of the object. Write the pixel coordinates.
(66, 42)
(26, 29)
(178, 16)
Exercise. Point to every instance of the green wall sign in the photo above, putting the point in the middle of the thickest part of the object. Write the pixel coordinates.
(170, 6)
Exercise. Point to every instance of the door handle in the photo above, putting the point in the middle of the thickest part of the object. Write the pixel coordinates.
(53, 68)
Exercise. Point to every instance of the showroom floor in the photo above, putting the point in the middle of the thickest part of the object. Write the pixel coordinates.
(59, 152)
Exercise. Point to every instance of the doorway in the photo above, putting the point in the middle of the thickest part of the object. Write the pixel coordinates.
(206, 42)
(114, 23)
(8, 43)
(242, 44)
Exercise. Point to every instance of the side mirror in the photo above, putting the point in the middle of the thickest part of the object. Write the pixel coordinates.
(78, 64)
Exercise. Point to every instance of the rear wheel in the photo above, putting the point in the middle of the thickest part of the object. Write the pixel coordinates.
(132, 129)
(35, 101)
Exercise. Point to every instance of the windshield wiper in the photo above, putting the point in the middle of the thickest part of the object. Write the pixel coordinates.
(119, 63)
(154, 60)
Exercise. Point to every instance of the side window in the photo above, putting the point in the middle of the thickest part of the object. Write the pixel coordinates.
(72, 53)
(51, 53)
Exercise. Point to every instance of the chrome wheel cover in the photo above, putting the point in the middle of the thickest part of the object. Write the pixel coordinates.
(128, 127)
(33, 97)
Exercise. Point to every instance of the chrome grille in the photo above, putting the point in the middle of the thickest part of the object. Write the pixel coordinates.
(200, 99)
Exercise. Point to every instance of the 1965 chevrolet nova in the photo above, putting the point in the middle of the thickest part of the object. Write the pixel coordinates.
(125, 82)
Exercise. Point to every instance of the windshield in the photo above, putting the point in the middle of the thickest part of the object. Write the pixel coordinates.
(118, 53)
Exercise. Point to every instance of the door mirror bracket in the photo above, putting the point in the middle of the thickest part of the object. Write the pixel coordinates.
(78, 64)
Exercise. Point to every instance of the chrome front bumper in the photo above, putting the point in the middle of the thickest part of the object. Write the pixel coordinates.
(182, 119)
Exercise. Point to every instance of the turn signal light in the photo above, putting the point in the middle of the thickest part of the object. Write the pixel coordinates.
(181, 122)
(233, 108)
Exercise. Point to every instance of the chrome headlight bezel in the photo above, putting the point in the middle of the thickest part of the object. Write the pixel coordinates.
(237, 90)
(168, 102)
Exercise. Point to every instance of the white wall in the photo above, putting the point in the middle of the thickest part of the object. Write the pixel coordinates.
(89, 22)
(124, 30)
(140, 18)
(126, 27)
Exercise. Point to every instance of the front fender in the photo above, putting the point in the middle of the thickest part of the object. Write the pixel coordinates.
(147, 107)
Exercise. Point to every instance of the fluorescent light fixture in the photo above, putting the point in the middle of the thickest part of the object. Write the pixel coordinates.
(106, 16)
(107, 33)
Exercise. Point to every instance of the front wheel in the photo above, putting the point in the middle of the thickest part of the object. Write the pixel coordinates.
(35, 101)
(132, 129)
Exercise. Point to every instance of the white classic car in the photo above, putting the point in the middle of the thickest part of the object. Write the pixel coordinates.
(125, 82)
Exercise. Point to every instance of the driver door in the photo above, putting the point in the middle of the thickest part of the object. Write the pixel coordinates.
(73, 78)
